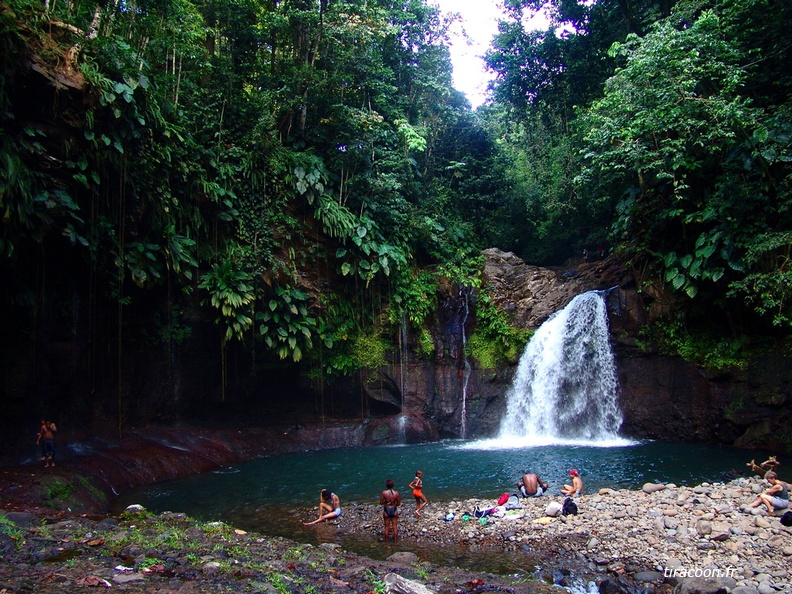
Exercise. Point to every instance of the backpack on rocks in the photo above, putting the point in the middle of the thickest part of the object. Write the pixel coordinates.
(786, 519)
(569, 508)
(513, 502)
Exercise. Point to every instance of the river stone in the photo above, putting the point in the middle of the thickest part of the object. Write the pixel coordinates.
(760, 522)
(647, 576)
(701, 586)
(396, 584)
(330, 546)
(107, 524)
(703, 527)
(652, 487)
(125, 578)
(404, 557)
(720, 531)
(744, 590)
(766, 588)
(21, 519)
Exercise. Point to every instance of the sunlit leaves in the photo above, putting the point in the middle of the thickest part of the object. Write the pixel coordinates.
(668, 122)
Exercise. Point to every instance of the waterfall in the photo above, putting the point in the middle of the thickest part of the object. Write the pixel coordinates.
(402, 357)
(565, 389)
(466, 378)
(402, 428)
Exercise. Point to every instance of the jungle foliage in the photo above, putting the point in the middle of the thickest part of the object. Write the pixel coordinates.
(306, 172)
(661, 130)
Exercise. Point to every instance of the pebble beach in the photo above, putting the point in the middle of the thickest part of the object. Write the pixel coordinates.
(662, 538)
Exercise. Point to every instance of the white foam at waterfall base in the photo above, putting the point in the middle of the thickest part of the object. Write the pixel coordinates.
(565, 390)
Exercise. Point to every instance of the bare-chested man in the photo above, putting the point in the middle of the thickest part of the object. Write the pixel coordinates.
(531, 485)
(46, 439)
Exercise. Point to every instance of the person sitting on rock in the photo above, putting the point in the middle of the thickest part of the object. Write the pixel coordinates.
(531, 485)
(576, 488)
(329, 507)
(774, 498)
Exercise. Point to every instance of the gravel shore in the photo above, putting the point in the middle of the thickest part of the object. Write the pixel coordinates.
(663, 538)
(695, 539)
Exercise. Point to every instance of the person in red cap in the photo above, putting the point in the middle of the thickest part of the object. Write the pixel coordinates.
(576, 488)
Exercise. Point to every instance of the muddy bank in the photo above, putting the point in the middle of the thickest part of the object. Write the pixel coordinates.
(90, 471)
(172, 553)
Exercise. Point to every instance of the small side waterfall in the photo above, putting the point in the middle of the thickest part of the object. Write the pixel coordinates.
(466, 378)
(402, 357)
(402, 428)
(402, 422)
(565, 389)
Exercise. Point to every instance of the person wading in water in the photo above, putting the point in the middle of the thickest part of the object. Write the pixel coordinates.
(390, 501)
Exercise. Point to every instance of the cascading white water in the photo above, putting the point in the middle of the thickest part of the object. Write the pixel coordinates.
(466, 378)
(565, 389)
(402, 427)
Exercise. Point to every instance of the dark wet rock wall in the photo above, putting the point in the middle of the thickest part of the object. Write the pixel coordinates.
(412, 399)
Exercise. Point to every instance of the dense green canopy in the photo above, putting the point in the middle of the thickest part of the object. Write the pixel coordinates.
(306, 171)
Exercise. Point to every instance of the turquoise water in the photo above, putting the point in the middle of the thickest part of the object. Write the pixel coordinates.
(274, 495)
(245, 494)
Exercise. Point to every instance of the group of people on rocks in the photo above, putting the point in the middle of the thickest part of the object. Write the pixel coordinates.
(390, 499)
(530, 485)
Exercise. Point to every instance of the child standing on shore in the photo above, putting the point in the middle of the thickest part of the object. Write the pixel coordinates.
(417, 488)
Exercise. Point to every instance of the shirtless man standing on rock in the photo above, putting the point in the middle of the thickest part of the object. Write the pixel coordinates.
(531, 485)
(46, 439)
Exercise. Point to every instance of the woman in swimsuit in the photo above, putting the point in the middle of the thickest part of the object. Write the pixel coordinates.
(390, 501)
(417, 489)
(329, 507)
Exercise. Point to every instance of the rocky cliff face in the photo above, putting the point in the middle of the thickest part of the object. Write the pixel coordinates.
(662, 397)
(413, 398)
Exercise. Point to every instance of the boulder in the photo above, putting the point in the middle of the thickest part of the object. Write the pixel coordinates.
(701, 586)
(396, 584)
